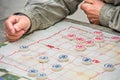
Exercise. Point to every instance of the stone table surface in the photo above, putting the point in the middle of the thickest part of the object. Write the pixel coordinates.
(8, 7)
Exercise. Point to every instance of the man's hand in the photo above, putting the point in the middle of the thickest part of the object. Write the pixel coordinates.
(92, 9)
(16, 26)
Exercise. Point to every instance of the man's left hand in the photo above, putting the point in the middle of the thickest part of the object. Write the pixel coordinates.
(92, 9)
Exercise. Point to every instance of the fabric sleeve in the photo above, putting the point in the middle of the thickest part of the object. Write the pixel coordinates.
(110, 16)
(47, 12)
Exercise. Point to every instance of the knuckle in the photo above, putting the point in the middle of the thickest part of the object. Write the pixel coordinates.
(82, 6)
(85, 7)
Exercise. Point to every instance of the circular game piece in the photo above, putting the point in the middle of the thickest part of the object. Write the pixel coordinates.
(115, 38)
(80, 40)
(87, 61)
(32, 72)
(63, 58)
(41, 76)
(71, 36)
(56, 67)
(99, 39)
(98, 33)
(80, 47)
(43, 59)
(89, 43)
(109, 67)
(24, 48)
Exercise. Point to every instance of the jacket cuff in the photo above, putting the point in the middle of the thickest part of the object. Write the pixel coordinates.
(33, 21)
(106, 14)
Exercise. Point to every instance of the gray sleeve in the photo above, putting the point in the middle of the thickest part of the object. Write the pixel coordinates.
(110, 16)
(44, 13)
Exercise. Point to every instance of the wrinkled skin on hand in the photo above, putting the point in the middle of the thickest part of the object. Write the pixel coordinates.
(16, 26)
(92, 10)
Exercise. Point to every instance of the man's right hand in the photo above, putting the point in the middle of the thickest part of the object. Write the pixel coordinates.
(16, 26)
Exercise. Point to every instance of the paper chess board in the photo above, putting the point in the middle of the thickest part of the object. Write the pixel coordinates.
(56, 41)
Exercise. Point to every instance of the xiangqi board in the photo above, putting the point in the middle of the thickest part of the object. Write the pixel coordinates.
(65, 51)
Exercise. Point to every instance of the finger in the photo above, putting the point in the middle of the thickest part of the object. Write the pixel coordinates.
(15, 37)
(93, 17)
(94, 21)
(9, 25)
(85, 7)
(19, 26)
(23, 23)
(12, 39)
(18, 33)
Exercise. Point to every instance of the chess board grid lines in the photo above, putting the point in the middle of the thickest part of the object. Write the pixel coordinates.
(40, 40)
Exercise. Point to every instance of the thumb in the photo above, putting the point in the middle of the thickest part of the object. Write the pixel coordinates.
(23, 23)
(19, 26)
